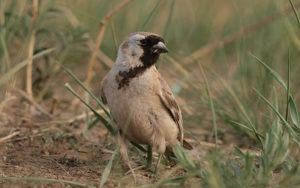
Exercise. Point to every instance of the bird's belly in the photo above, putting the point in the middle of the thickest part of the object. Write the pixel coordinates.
(143, 118)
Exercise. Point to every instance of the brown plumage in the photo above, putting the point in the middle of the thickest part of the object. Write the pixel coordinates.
(139, 99)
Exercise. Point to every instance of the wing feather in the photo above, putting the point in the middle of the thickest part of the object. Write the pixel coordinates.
(103, 97)
(171, 106)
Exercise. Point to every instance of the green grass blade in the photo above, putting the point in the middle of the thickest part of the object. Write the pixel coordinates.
(246, 127)
(275, 99)
(274, 74)
(19, 66)
(93, 123)
(211, 103)
(248, 170)
(139, 147)
(295, 12)
(107, 170)
(287, 125)
(276, 123)
(167, 28)
(44, 180)
(5, 53)
(113, 32)
(87, 90)
(150, 15)
(294, 112)
(272, 107)
(288, 88)
(102, 119)
(239, 153)
(183, 159)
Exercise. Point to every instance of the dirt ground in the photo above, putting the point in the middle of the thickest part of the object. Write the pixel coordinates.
(45, 148)
(34, 146)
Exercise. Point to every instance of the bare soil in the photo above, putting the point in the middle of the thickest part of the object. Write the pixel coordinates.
(34, 146)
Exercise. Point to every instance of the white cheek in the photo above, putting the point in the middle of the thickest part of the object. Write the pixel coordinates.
(135, 50)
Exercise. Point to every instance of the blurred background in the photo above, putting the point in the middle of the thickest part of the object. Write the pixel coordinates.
(233, 66)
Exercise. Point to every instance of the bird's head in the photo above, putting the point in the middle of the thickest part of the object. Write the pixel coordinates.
(141, 49)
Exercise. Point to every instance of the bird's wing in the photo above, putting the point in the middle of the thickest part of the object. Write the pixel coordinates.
(103, 97)
(171, 106)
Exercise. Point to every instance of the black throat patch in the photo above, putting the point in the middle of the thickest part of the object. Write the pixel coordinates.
(148, 59)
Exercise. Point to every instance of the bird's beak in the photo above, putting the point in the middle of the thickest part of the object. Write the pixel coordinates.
(160, 47)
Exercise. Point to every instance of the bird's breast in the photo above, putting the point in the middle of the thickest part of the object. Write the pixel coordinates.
(138, 110)
(139, 92)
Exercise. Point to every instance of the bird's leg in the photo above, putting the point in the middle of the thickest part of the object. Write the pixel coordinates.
(124, 154)
(170, 155)
(149, 157)
(157, 164)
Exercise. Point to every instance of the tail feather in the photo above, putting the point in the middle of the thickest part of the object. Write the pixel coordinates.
(187, 145)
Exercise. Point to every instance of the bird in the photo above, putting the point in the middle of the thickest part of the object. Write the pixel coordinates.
(140, 100)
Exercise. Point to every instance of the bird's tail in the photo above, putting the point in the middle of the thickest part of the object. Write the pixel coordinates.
(187, 145)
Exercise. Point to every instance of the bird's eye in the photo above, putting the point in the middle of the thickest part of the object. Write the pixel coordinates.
(142, 42)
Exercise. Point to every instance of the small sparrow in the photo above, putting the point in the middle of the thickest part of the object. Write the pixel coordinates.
(139, 99)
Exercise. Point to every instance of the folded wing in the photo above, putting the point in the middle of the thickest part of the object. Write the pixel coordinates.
(169, 102)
